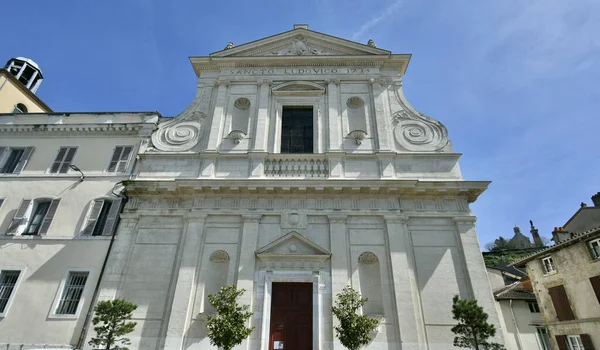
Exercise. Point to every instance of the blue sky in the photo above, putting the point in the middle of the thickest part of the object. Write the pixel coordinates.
(515, 82)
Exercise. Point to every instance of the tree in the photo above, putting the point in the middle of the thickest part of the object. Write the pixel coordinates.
(112, 315)
(227, 328)
(500, 244)
(354, 330)
(472, 330)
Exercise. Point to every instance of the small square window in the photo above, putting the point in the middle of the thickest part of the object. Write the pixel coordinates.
(534, 308)
(594, 248)
(548, 265)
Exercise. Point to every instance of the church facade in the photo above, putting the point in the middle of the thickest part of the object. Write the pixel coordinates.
(298, 169)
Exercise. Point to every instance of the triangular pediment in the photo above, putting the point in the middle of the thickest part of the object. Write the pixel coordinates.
(293, 246)
(300, 42)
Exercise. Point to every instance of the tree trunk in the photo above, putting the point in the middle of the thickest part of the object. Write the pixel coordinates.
(476, 340)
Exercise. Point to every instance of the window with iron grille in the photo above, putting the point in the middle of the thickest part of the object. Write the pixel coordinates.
(120, 159)
(8, 281)
(72, 293)
(63, 160)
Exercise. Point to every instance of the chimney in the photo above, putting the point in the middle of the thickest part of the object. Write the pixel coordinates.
(596, 199)
(537, 240)
(559, 234)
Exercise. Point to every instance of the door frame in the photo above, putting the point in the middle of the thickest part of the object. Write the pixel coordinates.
(297, 277)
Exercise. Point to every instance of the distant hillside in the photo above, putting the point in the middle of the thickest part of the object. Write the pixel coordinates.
(507, 255)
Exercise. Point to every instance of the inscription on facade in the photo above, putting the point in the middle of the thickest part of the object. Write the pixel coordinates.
(300, 71)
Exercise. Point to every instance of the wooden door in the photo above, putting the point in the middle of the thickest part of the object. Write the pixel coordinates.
(291, 316)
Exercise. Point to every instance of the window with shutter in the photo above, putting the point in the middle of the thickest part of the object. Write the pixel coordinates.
(11, 162)
(594, 247)
(8, 282)
(595, 281)
(63, 160)
(120, 159)
(1, 202)
(23, 159)
(112, 218)
(561, 340)
(543, 337)
(40, 210)
(49, 216)
(561, 304)
(20, 218)
(72, 293)
(586, 341)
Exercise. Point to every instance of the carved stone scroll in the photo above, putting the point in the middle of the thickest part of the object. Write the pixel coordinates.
(180, 134)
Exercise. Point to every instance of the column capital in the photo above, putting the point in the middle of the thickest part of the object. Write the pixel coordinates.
(337, 218)
(195, 216)
(222, 82)
(251, 218)
(336, 82)
(395, 219)
(264, 81)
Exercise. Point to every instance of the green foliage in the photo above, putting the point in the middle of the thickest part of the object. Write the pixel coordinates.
(493, 258)
(354, 330)
(227, 328)
(472, 330)
(111, 324)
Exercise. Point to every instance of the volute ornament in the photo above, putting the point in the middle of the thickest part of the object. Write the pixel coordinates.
(419, 133)
(180, 134)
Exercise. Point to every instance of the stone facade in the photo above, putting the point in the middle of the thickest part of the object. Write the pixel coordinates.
(380, 203)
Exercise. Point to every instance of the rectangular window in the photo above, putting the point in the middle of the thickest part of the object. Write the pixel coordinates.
(72, 293)
(560, 300)
(548, 265)
(297, 130)
(595, 248)
(15, 159)
(534, 308)
(63, 160)
(543, 337)
(8, 281)
(120, 159)
(574, 342)
(39, 213)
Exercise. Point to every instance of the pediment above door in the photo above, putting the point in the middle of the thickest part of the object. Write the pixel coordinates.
(293, 246)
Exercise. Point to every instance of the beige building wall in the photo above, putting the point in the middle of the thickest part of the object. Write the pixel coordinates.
(574, 267)
(44, 260)
(13, 92)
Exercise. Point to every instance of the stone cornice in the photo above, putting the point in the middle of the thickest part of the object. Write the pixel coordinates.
(113, 129)
(409, 188)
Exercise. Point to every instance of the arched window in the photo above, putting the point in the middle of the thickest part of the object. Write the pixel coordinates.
(20, 108)
(369, 272)
(102, 217)
(34, 216)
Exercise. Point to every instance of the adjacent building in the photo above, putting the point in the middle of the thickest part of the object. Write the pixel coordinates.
(59, 205)
(299, 168)
(566, 280)
(518, 309)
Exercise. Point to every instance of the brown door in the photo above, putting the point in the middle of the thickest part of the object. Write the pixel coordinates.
(291, 316)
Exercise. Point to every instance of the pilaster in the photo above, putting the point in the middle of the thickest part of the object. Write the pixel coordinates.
(261, 135)
(381, 115)
(335, 127)
(181, 309)
(408, 315)
(475, 270)
(216, 127)
(246, 265)
(339, 263)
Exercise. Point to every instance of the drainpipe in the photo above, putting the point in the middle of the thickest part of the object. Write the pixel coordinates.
(519, 345)
(88, 316)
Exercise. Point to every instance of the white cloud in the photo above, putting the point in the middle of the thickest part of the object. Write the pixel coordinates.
(375, 20)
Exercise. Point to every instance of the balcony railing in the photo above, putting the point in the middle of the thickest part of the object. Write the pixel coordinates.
(301, 166)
